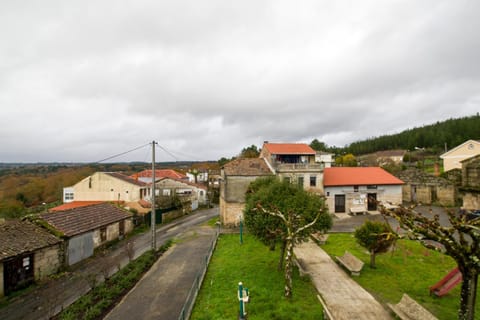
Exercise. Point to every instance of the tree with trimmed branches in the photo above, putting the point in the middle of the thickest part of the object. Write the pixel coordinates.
(461, 239)
(277, 211)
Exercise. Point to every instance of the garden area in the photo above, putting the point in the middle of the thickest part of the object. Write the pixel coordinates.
(253, 264)
(410, 268)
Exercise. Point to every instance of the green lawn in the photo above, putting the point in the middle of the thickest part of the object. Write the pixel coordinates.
(411, 269)
(256, 266)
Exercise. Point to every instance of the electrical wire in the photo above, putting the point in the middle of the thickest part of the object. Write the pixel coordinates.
(123, 153)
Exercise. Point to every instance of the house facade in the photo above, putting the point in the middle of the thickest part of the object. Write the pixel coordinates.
(235, 179)
(359, 189)
(28, 253)
(294, 162)
(107, 186)
(324, 158)
(86, 228)
(196, 194)
(452, 159)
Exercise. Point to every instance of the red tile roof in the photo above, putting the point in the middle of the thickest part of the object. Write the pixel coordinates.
(289, 148)
(84, 219)
(126, 178)
(73, 205)
(348, 176)
(17, 237)
(160, 173)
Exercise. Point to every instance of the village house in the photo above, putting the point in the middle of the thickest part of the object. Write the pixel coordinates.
(196, 194)
(471, 183)
(107, 186)
(324, 158)
(359, 189)
(294, 162)
(421, 187)
(28, 253)
(86, 228)
(453, 158)
(235, 179)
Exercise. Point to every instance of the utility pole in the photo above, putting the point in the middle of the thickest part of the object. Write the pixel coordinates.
(153, 222)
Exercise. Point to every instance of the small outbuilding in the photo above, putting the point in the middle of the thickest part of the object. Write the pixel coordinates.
(359, 189)
(86, 228)
(28, 253)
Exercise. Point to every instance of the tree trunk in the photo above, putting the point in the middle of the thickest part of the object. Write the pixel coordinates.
(288, 268)
(372, 259)
(282, 255)
(468, 295)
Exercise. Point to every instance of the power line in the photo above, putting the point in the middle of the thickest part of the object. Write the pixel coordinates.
(159, 146)
(123, 153)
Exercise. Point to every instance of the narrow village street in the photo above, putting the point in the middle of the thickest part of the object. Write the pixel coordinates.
(49, 298)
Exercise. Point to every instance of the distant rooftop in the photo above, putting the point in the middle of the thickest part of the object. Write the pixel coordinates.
(289, 148)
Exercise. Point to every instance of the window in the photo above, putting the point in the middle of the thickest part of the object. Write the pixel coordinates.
(69, 196)
(300, 181)
(201, 193)
(313, 181)
(372, 187)
(355, 188)
(287, 179)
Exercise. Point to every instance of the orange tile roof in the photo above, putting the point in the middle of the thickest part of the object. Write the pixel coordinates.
(289, 148)
(73, 205)
(160, 173)
(348, 176)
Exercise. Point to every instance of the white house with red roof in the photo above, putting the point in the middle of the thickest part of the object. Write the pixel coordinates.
(359, 189)
(188, 191)
(295, 162)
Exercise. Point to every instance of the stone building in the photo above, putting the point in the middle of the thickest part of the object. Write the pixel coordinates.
(471, 183)
(28, 253)
(421, 187)
(86, 228)
(235, 178)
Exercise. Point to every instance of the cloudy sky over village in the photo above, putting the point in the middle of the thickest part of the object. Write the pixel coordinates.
(84, 80)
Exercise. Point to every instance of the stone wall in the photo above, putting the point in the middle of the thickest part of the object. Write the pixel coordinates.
(230, 212)
(47, 261)
(421, 187)
(471, 201)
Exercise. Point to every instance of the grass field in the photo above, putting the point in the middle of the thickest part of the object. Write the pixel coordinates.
(256, 266)
(410, 269)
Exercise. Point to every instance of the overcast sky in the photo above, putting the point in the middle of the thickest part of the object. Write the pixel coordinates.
(84, 80)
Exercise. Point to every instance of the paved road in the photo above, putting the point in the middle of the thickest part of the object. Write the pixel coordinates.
(49, 298)
(162, 292)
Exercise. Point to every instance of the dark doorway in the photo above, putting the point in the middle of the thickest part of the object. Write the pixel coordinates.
(339, 203)
(18, 273)
(372, 201)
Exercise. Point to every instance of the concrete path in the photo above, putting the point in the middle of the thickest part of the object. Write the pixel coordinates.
(162, 292)
(345, 299)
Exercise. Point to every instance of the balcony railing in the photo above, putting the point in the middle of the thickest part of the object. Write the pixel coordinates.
(298, 166)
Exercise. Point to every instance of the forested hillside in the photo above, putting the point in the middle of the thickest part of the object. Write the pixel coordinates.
(451, 132)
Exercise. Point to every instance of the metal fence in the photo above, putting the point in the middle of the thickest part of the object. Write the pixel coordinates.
(197, 284)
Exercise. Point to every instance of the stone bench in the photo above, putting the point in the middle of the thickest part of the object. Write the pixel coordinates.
(352, 263)
(358, 210)
(409, 309)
